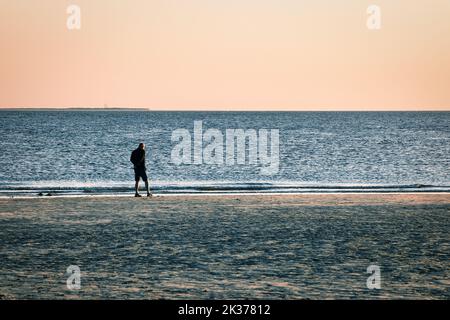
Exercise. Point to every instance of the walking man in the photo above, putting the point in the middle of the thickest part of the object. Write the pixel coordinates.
(138, 160)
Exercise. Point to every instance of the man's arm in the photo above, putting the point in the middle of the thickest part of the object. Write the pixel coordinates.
(142, 160)
(133, 158)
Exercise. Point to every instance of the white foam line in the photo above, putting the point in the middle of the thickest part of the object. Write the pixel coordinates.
(214, 195)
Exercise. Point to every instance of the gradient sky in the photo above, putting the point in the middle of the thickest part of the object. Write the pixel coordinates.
(226, 54)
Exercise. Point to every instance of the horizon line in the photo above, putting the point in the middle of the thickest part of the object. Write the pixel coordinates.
(157, 109)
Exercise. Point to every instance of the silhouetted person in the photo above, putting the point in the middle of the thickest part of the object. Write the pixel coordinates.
(138, 160)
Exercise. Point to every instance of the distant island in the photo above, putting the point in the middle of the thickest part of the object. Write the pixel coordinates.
(75, 109)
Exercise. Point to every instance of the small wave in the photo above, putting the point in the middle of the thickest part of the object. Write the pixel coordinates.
(198, 187)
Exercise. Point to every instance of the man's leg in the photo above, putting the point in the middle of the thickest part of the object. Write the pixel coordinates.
(148, 189)
(136, 188)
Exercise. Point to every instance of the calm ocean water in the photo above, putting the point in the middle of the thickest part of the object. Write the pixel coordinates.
(88, 152)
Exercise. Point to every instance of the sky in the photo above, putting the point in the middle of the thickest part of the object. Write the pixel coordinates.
(226, 55)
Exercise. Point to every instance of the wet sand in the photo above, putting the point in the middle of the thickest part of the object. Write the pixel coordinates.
(308, 246)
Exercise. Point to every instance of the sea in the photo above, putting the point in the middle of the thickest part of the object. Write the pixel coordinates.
(86, 152)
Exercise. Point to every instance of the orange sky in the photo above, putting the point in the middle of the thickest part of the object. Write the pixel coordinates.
(226, 54)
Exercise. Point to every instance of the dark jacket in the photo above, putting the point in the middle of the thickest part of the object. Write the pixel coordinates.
(138, 158)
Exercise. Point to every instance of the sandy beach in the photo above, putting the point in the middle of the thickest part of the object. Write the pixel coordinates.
(313, 246)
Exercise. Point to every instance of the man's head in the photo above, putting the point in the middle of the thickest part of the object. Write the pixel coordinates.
(142, 146)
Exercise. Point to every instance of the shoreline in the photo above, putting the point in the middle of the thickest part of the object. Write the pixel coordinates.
(218, 194)
(359, 198)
